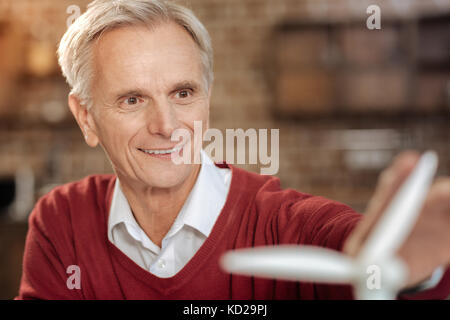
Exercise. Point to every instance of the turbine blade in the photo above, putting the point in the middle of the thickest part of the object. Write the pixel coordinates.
(291, 262)
(400, 216)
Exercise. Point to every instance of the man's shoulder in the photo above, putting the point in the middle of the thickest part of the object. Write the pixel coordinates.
(252, 181)
(89, 186)
(296, 217)
(268, 195)
(263, 188)
(81, 196)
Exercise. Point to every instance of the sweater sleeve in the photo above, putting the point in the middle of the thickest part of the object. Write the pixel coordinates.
(320, 222)
(440, 291)
(48, 252)
(325, 223)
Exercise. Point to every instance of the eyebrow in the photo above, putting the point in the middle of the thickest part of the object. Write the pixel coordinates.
(185, 85)
(132, 92)
(190, 84)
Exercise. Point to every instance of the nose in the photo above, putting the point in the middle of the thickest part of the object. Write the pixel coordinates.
(161, 118)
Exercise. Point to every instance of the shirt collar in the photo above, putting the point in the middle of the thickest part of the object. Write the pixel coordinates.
(207, 197)
(199, 211)
(120, 212)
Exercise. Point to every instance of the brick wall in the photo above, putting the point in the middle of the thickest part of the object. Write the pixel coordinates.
(243, 92)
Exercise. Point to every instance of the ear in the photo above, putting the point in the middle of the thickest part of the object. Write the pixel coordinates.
(84, 119)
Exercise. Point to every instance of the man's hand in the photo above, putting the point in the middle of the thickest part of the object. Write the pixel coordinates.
(428, 245)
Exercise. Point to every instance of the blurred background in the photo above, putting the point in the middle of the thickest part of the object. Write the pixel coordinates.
(346, 99)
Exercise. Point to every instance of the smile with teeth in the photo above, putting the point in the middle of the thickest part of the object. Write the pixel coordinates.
(176, 149)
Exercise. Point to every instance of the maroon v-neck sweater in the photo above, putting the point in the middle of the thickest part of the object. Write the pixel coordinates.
(68, 227)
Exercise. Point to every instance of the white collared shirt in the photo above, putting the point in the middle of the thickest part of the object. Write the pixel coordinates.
(187, 234)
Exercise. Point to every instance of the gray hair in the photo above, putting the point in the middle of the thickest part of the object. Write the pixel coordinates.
(75, 48)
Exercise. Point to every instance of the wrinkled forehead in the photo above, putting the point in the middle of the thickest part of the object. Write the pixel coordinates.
(137, 54)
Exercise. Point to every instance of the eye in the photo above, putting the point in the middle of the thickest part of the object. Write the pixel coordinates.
(131, 100)
(183, 94)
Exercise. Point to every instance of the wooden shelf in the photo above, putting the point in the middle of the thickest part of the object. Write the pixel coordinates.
(322, 69)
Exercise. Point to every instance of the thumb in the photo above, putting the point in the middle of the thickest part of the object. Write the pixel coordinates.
(389, 182)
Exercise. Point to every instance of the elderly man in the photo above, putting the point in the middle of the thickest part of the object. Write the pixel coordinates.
(139, 70)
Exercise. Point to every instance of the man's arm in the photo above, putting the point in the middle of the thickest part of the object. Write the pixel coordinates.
(317, 221)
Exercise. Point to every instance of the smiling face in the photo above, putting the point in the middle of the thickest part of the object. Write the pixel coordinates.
(148, 83)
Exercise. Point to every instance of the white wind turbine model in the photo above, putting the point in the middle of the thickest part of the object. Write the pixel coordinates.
(316, 264)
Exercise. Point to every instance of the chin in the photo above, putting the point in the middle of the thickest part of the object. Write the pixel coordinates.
(167, 178)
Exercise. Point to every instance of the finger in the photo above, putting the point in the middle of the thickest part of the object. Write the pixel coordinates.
(389, 182)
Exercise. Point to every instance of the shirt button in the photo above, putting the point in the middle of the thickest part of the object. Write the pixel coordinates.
(161, 263)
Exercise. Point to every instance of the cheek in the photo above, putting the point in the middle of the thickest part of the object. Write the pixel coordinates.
(197, 112)
(117, 133)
